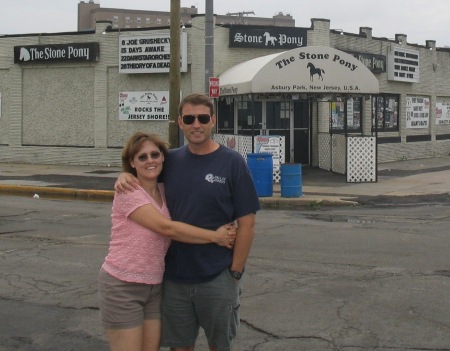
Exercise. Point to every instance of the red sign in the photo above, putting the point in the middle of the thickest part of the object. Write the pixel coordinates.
(214, 87)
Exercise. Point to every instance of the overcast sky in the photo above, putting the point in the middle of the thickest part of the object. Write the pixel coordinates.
(420, 20)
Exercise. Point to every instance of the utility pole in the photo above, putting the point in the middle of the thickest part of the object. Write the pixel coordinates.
(174, 73)
(209, 43)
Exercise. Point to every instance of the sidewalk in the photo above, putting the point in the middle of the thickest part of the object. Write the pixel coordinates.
(319, 187)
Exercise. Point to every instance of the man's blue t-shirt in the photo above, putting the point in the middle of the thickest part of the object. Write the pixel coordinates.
(206, 191)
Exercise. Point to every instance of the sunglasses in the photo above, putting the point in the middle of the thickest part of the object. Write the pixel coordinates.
(154, 155)
(189, 119)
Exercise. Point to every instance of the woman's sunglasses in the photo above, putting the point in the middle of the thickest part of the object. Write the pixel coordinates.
(189, 119)
(154, 155)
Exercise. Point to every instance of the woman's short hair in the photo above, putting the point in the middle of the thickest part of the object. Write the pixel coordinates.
(134, 144)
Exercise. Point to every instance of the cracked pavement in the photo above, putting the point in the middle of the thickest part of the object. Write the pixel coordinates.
(372, 277)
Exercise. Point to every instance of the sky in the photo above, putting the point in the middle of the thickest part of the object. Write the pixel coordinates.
(420, 20)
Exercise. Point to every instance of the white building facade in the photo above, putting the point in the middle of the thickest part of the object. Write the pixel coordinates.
(75, 98)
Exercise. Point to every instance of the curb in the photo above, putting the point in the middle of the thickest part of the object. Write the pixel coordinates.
(81, 194)
(313, 203)
(108, 195)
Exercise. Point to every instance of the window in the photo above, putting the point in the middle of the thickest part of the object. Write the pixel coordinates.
(385, 112)
(278, 115)
(346, 120)
(337, 115)
(158, 21)
(248, 112)
(138, 20)
(127, 19)
(116, 18)
(225, 116)
(147, 21)
(285, 110)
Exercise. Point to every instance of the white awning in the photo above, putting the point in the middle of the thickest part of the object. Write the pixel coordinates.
(311, 69)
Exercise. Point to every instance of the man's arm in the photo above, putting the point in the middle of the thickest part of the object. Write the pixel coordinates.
(126, 182)
(243, 243)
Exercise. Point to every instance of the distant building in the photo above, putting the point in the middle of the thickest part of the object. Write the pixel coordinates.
(90, 12)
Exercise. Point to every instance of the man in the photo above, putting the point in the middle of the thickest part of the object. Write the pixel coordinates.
(207, 185)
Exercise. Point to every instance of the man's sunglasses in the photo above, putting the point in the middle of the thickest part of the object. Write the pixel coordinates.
(154, 155)
(189, 119)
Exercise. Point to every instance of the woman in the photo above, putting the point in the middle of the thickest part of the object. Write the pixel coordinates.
(131, 275)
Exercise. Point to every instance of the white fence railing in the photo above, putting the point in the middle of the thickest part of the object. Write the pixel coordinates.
(355, 156)
(243, 145)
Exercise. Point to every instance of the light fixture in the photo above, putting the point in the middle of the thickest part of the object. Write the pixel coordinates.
(107, 29)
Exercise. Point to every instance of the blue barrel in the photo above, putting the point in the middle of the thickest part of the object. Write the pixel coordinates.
(291, 179)
(261, 169)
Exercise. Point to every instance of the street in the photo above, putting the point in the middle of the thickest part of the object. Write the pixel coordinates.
(372, 277)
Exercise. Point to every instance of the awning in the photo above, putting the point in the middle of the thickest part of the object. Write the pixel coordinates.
(311, 69)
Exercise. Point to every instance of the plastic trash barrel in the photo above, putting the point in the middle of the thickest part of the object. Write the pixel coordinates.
(261, 169)
(291, 179)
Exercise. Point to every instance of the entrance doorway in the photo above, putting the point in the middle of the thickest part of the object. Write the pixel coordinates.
(302, 132)
(288, 118)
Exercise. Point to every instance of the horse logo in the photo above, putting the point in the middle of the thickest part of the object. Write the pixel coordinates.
(313, 70)
(269, 39)
(24, 55)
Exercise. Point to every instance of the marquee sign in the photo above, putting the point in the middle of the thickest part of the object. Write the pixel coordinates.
(79, 52)
(267, 37)
(403, 65)
(149, 53)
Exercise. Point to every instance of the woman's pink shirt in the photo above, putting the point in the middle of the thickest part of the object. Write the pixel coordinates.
(136, 254)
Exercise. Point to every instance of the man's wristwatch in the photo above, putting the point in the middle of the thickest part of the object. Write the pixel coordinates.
(236, 275)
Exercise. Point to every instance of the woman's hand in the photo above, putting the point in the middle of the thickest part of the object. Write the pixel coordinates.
(126, 182)
(226, 235)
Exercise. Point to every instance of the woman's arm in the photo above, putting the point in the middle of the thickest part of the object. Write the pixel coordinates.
(149, 217)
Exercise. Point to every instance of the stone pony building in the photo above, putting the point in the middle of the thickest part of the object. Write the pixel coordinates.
(332, 96)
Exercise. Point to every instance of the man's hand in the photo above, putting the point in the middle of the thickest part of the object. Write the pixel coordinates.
(126, 182)
(226, 235)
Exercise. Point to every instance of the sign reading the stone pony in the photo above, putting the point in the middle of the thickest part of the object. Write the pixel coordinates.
(267, 37)
(376, 63)
(312, 69)
(80, 52)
